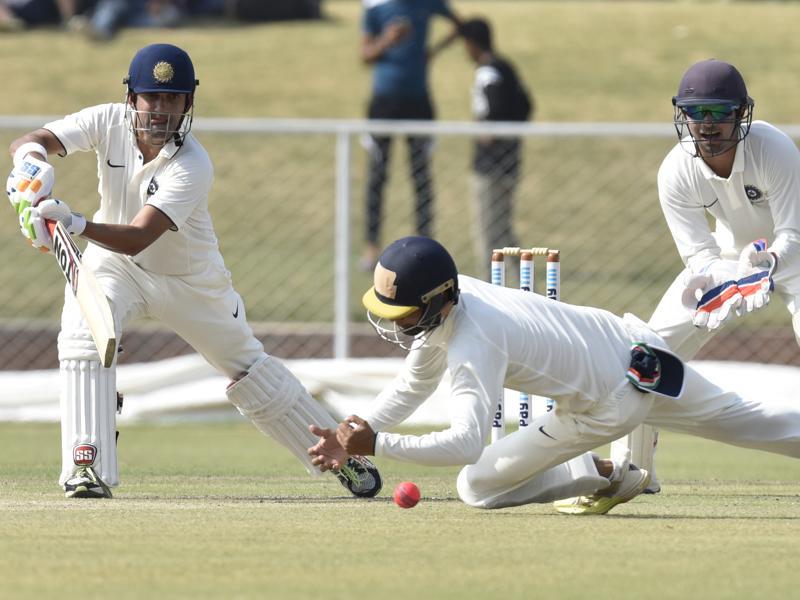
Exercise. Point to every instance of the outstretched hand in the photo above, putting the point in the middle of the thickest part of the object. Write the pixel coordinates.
(356, 436)
(327, 453)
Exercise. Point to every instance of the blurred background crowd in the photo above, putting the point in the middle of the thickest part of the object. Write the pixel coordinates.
(102, 19)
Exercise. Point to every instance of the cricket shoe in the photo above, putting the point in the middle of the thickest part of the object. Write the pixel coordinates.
(627, 488)
(361, 477)
(86, 484)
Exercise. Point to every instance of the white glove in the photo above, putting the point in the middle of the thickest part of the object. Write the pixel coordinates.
(33, 222)
(713, 294)
(31, 180)
(754, 275)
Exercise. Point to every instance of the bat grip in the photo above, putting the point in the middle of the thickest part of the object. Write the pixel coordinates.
(51, 226)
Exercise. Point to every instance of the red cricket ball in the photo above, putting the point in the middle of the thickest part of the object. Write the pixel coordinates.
(406, 495)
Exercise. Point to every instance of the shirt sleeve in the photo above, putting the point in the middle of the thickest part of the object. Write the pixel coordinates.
(180, 189)
(441, 7)
(83, 131)
(422, 371)
(477, 382)
(485, 92)
(783, 180)
(686, 218)
(369, 24)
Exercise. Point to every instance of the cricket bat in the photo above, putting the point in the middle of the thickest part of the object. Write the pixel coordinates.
(93, 302)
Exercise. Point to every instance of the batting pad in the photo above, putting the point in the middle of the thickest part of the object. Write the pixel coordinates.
(279, 406)
(576, 477)
(88, 419)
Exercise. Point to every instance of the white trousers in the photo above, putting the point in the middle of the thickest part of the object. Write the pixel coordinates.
(203, 309)
(704, 410)
(199, 308)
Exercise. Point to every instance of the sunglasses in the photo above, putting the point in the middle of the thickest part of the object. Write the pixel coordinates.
(718, 112)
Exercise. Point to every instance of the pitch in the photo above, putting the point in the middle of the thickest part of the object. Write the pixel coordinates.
(217, 510)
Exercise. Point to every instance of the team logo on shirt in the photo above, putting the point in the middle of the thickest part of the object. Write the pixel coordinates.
(163, 72)
(152, 187)
(755, 195)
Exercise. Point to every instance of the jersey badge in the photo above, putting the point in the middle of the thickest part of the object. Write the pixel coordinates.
(755, 195)
(152, 187)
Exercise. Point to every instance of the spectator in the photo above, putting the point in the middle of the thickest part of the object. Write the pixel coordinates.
(109, 16)
(497, 95)
(16, 15)
(394, 41)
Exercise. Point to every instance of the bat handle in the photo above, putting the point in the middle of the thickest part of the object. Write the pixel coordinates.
(51, 226)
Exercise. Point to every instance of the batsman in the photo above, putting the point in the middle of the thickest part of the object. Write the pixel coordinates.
(154, 253)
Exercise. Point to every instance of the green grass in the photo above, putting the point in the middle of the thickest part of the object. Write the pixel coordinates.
(272, 202)
(212, 511)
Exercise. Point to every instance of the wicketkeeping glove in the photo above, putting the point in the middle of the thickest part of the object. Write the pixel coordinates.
(31, 180)
(713, 295)
(33, 224)
(756, 267)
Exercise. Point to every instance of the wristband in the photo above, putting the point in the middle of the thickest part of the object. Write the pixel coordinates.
(78, 224)
(26, 149)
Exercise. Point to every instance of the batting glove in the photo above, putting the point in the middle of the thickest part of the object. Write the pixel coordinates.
(31, 180)
(713, 295)
(33, 222)
(756, 267)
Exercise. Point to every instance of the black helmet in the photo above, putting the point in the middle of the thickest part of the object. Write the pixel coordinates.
(413, 273)
(716, 88)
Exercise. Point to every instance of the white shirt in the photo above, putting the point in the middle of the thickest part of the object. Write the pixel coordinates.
(498, 337)
(177, 182)
(760, 199)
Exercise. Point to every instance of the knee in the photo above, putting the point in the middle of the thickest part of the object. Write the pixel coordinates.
(466, 485)
(77, 344)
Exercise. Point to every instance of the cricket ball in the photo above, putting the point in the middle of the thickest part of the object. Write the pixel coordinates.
(406, 495)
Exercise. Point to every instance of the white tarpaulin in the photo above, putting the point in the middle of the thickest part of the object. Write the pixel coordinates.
(186, 388)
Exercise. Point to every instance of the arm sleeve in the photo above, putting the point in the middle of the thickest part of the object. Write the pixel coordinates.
(686, 218)
(476, 382)
(441, 7)
(486, 93)
(783, 174)
(421, 374)
(83, 130)
(180, 190)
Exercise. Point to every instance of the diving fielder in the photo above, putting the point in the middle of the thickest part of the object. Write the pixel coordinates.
(154, 252)
(747, 176)
(606, 374)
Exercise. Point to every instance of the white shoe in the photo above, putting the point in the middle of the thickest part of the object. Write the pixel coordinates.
(631, 485)
(86, 484)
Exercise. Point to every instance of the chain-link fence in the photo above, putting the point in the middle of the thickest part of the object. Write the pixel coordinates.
(290, 209)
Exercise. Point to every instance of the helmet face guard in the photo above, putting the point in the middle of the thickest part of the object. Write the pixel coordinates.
(698, 126)
(166, 128)
(156, 69)
(416, 335)
(712, 111)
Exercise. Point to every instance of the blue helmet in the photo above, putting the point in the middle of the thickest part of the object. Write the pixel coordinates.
(161, 68)
(413, 274)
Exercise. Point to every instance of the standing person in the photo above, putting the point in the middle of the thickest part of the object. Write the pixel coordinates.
(606, 374)
(154, 252)
(497, 95)
(746, 175)
(395, 34)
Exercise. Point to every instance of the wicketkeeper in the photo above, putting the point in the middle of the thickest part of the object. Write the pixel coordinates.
(746, 175)
(154, 252)
(606, 374)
